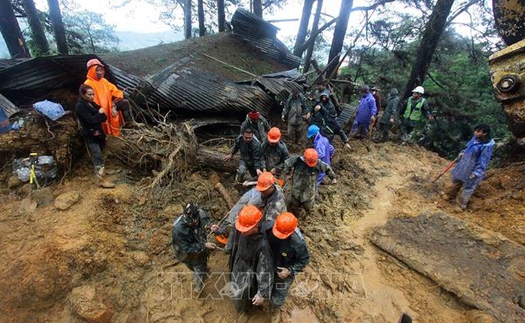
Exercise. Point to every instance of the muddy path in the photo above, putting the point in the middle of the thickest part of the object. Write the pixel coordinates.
(111, 246)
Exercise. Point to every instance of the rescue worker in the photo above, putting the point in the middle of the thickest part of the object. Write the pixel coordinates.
(108, 97)
(324, 149)
(290, 256)
(377, 97)
(415, 113)
(365, 114)
(257, 123)
(468, 172)
(250, 263)
(266, 195)
(190, 245)
(389, 116)
(305, 169)
(251, 158)
(274, 152)
(90, 117)
(330, 119)
(294, 113)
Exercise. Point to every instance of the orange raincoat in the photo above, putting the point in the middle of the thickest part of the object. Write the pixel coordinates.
(105, 93)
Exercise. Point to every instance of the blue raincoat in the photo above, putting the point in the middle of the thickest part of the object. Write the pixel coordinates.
(366, 109)
(475, 160)
(325, 151)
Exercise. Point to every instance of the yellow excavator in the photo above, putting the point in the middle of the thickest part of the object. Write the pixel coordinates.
(507, 67)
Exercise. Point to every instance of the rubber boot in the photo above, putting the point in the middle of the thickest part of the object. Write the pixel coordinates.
(130, 122)
(102, 181)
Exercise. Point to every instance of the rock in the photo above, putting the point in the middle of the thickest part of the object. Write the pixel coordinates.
(140, 258)
(87, 304)
(43, 196)
(14, 182)
(66, 200)
(477, 316)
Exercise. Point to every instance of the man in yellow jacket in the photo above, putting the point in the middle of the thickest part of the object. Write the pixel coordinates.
(108, 97)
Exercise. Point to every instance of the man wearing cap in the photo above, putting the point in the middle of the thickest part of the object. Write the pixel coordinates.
(250, 263)
(251, 157)
(274, 152)
(330, 118)
(189, 243)
(323, 147)
(257, 123)
(365, 114)
(290, 255)
(415, 113)
(294, 113)
(108, 97)
(305, 169)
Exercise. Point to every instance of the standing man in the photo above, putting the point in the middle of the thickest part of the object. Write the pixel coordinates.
(306, 169)
(274, 152)
(469, 171)
(415, 113)
(250, 263)
(108, 97)
(366, 112)
(330, 123)
(189, 243)
(294, 113)
(290, 256)
(389, 117)
(323, 147)
(257, 123)
(251, 158)
(377, 97)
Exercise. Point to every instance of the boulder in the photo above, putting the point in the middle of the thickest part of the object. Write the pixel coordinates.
(66, 200)
(86, 304)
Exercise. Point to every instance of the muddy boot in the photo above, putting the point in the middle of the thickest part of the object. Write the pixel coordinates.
(102, 181)
(130, 122)
(112, 171)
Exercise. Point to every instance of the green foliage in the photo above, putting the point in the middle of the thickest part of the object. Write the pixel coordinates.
(88, 32)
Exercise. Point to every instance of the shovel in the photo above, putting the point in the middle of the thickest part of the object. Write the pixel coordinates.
(28, 205)
(446, 169)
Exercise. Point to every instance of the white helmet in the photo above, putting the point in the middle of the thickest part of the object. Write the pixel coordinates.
(419, 89)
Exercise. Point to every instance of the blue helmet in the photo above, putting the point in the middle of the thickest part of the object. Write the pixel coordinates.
(313, 130)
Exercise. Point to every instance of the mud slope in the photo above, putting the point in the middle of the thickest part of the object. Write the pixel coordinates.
(108, 257)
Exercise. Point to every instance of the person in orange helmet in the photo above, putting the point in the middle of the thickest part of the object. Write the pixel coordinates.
(108, 97)
(250, 263)
(290, 255)
(274, 152)
(305, 169)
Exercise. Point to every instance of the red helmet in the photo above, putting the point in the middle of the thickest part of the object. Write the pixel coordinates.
(274, 135)
(311, 157)
(248, 218)
(285, 225)
(93, 62)
(265, 181)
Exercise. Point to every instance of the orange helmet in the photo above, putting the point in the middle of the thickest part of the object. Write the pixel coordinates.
(265, 181)
(311, 157)
(248, 218)
(93, 62)
(274, 135)
(285, 225)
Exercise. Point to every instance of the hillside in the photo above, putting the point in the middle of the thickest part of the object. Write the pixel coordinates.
(110, 254)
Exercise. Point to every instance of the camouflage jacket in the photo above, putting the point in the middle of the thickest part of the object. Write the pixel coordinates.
(274, 155)
(271, 206)
(188, 241)
(291, 253)
(305, 177)
(251, 265)
(250, 152)
(295, 110)
(259, 128)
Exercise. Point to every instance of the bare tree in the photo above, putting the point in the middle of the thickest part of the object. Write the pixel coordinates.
(339, 35)
(187, 19)
(258, 8)
(200, 14)
(303, 26)
(315, 26)
(11, 31)
(58, 26)
(37, 31)
(433, 30)
(220, 15)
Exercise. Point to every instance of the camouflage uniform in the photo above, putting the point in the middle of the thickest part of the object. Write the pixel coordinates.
(294, 112)
(291, 253)
(251, 268)
(304, 181)
(188, 244)
(274, 156)
(251, 158)
(259, 128)
(331, 126)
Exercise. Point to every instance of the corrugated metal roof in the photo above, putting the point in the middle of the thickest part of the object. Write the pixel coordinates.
(8, 106)
(262, 35)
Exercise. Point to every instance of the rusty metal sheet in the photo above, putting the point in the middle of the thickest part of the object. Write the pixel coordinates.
(482, 268)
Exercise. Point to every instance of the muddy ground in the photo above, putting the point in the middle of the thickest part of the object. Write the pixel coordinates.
(108, 257)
